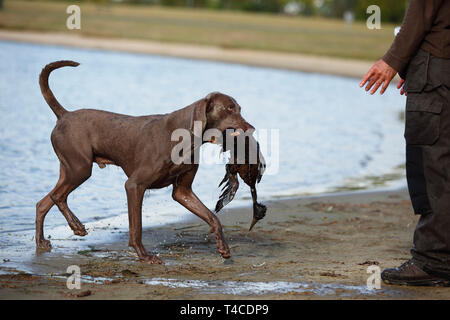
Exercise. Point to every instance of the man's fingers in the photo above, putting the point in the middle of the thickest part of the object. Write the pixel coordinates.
(385, 85)
(401, 87)
(377, 85)
(366, 78)
(371, 83)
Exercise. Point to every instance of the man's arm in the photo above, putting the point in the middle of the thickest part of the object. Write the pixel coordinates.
(417, 23)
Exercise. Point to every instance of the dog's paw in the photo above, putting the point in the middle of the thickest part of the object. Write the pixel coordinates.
(151, 260)
(80, 231)
(43, 245)
(223, 250)
(226, 255)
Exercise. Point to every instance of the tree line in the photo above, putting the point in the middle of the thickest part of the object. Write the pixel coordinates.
(391, 10)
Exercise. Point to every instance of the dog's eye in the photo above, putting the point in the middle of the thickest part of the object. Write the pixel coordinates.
(231, 108)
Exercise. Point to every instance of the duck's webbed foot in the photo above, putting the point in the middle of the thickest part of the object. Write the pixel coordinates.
(259, 211)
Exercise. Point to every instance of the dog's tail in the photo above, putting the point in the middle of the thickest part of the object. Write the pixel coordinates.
(45, 89)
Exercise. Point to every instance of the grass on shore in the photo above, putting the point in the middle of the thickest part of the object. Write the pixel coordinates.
(316, 36)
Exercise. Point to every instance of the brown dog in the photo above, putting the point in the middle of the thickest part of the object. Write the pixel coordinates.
(141, 146)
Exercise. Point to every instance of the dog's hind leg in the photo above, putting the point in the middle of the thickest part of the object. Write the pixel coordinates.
(76, 157)
(76, 167)
(72, 178)
(42, 208)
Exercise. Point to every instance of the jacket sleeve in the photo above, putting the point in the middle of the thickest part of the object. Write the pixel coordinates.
(417, 23)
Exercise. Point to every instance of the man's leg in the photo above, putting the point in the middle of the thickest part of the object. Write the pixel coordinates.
(415, 176)
(432, 235)
(428, 175)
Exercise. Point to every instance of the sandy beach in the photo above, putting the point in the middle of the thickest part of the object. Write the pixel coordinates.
(307, 248)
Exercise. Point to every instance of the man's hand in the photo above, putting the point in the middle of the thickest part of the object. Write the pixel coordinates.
(380, 74)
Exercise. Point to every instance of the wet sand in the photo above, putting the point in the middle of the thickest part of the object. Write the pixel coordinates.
(307, 248)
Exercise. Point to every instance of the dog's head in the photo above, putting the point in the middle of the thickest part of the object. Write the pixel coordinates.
(222, 112)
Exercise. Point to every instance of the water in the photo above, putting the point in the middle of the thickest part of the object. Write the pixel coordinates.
(249, 288)
(256, 288)
(331, 134)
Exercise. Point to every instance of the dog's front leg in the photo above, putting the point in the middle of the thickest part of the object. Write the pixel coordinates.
(182, 193)
(135, 195)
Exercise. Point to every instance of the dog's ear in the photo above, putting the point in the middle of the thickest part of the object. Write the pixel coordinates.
(208, 99)
(199, 114)
(199, 110)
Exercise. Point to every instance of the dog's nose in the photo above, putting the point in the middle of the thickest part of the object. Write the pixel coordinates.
(248, 126)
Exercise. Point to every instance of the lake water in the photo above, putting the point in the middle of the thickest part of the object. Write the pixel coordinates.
(332, 135)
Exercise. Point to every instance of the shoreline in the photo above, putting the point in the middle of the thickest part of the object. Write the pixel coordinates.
(315, 247)
(269, 59)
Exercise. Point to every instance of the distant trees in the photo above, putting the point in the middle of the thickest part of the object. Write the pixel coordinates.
(392, 11)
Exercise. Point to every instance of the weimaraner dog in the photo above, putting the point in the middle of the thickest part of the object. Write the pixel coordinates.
(141, 146)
